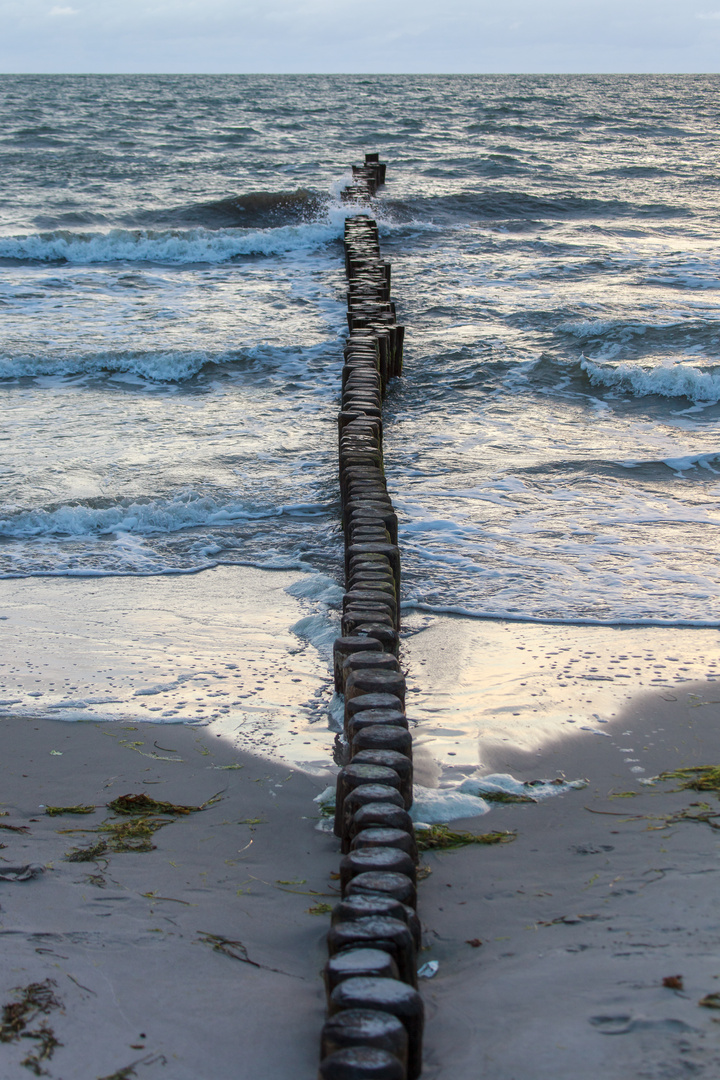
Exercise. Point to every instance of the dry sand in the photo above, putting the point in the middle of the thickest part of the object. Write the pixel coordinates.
(123, 937)
(599, 898)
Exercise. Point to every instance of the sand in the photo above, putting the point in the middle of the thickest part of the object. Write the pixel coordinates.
(598, 899)
(581, 918)
(217, 647)
(123, 937)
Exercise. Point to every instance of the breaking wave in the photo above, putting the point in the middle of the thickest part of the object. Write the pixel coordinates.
(175, 246)
(699, 385)
(151, 517)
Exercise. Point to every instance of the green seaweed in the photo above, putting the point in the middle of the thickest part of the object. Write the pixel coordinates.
(441, 838)
(143, 804)
(699, 812)
(53, 811)
(87, 854)
(505, 797)
(139, 817)
(133, 835)
(319, 909)
(696, 778)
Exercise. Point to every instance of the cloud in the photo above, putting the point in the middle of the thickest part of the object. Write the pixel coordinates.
(708, 15)
(63, 11)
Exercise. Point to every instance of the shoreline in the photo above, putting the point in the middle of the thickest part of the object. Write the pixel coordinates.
(581, 917)
(248, 652)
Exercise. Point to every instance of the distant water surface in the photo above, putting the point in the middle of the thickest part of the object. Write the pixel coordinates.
(172, 315)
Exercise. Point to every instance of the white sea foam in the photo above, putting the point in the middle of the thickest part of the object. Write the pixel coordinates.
(587, 329)
(435, 806)
(667, 380)
(182, 246)
(506, 784)
(694, 461)
(169, 246)
(317, 587)
(569, 619)
(185, 510)
(319, 630)
(431, 806)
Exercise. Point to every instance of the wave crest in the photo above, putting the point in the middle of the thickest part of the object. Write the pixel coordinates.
(143, 517)
(199, 245)
(668, 380)
(153, 366)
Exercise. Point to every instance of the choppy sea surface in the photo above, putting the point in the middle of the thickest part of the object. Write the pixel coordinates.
(172, 317)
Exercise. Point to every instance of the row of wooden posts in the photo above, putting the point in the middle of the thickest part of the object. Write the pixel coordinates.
(375, 1013)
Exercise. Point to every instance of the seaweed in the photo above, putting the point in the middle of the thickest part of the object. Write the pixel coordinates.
(143, 804)
(48, 1045)
(319, 909)
(235, 949)
(35, 1000)
(87, 854)
(139, 817)
(696, 778)
(97, 880)
(505, 797)
(704, 815)
(441, 838)
(129, 1070)
(133, 835)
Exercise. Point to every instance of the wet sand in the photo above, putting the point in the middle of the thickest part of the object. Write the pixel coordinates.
(198, 648)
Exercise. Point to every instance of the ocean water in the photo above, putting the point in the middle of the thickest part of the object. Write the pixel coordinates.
(172, 316)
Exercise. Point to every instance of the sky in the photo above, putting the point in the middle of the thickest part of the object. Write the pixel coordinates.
(249, 36)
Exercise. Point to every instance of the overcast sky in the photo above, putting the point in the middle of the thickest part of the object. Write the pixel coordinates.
(367, 36)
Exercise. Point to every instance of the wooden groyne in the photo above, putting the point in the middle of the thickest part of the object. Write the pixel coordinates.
(375, 1013)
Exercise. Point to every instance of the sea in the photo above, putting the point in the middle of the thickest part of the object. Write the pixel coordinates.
(172, 316)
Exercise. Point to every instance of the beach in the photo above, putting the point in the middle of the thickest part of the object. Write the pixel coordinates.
(134, 941)
(580, 918)
(597, 899)
(171, 564)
